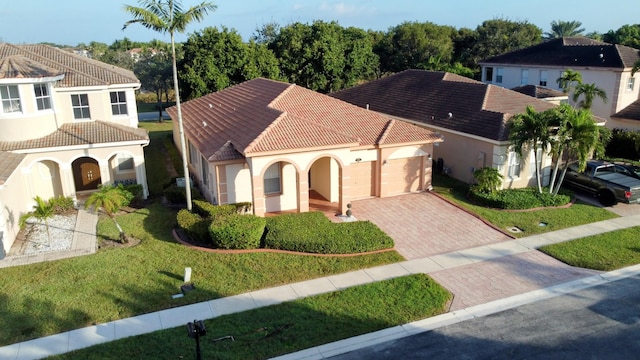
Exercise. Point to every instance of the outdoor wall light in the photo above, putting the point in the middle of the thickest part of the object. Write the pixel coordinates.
(358, 159)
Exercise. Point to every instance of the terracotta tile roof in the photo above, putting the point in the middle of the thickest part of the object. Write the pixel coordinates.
(539, 92)
(443, 100)
(631, 112)
(9, 162)
(44, 60)
(78, 134)
(263, 115)
(571, 52)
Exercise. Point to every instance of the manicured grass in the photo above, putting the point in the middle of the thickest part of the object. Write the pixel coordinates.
(154, 155)
(604, 252)
(289, 327)
(51, 297)
(528, 221)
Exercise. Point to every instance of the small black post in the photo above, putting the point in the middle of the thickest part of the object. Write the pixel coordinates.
(196, 329)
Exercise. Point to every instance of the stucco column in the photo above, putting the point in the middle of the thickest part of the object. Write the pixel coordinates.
(345, 188)
(257, 195)
(303, 191)
(67, 182)
(105, 173)
(141, 174)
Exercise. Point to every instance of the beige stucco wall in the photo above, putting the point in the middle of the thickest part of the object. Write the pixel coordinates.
(239, 183)
(618, 123)
(14, 202)
(288, 200)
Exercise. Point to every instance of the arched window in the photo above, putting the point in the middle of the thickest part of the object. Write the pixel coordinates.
(272, 183)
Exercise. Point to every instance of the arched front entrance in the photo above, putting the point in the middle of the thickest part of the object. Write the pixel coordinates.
(86, 174)
(324, 185)
(45, 179)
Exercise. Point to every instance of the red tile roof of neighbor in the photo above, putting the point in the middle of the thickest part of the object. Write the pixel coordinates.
(539, 92)
(263, 115)
(36, 61)
(444, 100)
(9, 162)
(571, 52)
(79, 134)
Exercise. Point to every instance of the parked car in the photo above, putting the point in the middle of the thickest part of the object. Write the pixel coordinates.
(628, 169)
(609, 182)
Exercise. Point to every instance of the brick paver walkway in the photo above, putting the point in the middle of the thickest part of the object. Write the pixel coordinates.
(422, 224)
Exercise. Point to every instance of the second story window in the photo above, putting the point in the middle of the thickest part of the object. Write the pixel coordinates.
(524, 77)
(543, 77)
(80, 105)
(499, 73)
(631, 83)
(43, 98)
(488, 74)
(10, 99)
(118, 103)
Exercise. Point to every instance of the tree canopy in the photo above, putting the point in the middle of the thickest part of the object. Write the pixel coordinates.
(560, 28)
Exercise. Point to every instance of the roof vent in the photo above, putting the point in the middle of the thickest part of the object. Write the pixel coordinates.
(450, 115)
(204, 124)
(210, 106)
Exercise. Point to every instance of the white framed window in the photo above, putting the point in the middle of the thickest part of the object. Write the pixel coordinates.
(488, 74)
(43, 98)
(193, 154)
(80, 105)
(513, 165)
(205, 170)
(125, 163)
(524, 77)
(631, 83)
(543, 77)
(499, 74)
(10, 99)
(272, 183)
(118, 103)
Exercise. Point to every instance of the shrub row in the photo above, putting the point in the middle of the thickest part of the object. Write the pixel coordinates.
(237, 231)
(177, 195)
(514, 199)
(312, 232)
(624, 144)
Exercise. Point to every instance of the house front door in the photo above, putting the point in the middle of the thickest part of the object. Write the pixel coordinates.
(86, 174)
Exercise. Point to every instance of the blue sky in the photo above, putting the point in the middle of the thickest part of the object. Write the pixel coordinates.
(71, 22)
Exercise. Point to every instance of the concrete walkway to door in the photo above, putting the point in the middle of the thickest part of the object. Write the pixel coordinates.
(422, 224)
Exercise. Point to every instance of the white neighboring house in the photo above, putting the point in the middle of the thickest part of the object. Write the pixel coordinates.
(606, 65)
(67, 125)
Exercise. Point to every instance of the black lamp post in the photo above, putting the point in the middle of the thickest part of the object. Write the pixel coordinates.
(196, 329)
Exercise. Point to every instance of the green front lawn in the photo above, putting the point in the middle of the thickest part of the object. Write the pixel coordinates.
(291, 326)
(605, 252)
(529, 221)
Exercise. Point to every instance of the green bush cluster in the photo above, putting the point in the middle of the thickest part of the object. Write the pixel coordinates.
(194, 226)
(177, 195)
(208, 210)
(518, 199)
(237, 231)
(133, 194)
(312, 232)
(61, 204)
(624, 144)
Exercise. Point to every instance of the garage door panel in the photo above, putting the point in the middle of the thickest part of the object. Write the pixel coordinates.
(403, 175)
(362, 175)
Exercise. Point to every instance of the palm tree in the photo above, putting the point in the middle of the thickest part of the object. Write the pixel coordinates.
(530, 130)
(562, 28)
(568, 80)
(167, 16)
(43, 211)
(109, 199)
(590, 91)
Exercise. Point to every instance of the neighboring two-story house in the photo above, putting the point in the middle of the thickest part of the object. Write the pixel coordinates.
(606, 65)
(67, 125)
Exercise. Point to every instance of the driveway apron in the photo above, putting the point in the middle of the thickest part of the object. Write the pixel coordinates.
(422, 224)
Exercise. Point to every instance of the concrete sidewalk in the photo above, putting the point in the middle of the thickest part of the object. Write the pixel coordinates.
(433, 265)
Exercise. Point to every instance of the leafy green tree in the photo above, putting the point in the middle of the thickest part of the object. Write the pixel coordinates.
(43, 211)
(589, 92)
(499, 36)
(530, 131)
(110, 199)
(560, 28)
(628, 35)
(167, 16)
(117, 58)
(267, 33)
(261, 62)
(488, 179)
(569, 80)
(411, 45)
(154, 72)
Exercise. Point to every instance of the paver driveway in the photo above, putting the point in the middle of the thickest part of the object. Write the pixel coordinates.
(422, 224)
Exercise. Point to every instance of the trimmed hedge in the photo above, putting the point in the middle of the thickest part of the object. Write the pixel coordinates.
(194, 226)
(177, 195)
(518, 199)
(237, 231)
(207, 209)
(312, 232)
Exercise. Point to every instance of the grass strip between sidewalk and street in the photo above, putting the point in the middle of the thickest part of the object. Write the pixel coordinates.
(291, 326)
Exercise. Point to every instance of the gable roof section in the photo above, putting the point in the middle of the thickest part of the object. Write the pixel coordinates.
(261, 115)
(571, 52)
(80, 134)
(43, 60)
(539, 92)
(444, 100)
(9, 162)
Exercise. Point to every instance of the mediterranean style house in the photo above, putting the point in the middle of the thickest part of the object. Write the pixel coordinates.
(471, 115)
(609, 66)
(276, 144)
(67, 125)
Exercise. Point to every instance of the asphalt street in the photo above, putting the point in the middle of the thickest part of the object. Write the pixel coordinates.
(601, 322)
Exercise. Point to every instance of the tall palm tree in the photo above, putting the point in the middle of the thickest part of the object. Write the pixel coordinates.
(109, 199)
(562, 28)
(530, 130)
(167, 16)
(569, 80)
(590, 92)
